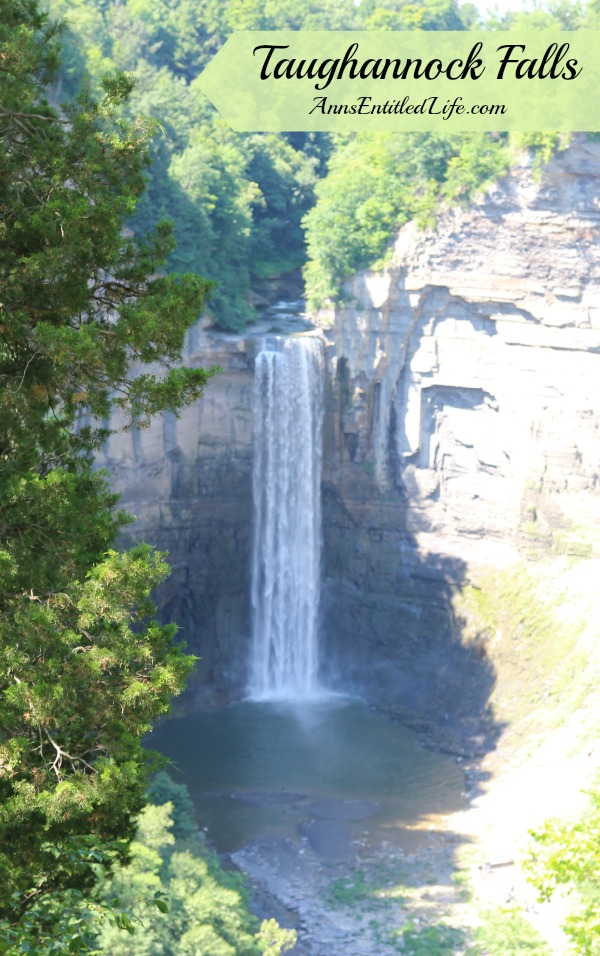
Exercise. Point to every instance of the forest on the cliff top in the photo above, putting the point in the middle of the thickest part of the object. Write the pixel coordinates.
(249, 208)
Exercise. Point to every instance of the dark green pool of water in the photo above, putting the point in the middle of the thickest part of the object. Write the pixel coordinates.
(254, 768)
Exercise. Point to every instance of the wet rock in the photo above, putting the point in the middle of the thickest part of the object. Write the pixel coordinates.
(330, 840)
(343, 809)
(275, 860)
(280, 798)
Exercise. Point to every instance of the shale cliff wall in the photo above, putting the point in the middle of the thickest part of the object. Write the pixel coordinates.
(463, 425)
(188, 481)
(461, 431)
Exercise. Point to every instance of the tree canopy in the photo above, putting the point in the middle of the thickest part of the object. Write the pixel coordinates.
(250, 208)
(564, 858)
(207, 905)
(88, 322)
(239, 200)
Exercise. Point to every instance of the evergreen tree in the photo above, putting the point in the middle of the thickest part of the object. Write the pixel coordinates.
(84, 668)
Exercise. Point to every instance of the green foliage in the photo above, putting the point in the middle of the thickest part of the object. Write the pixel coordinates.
(557, 14)
(479, 161)
(565, 857)
(286, 179)
(349, 890)
(506, 930)
(375, 184)
(86, 678)
(515, 613)
(412, 15)
(239, 200)
(434, 940)
(52, 927)
(78, 303)
(179, 900)
(273, 939)
(543, 144)
(84, 667)
(163, 789)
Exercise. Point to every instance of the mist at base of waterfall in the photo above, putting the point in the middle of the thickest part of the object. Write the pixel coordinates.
(258, 768)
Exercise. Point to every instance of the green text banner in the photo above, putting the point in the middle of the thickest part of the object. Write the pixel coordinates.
(394, 81)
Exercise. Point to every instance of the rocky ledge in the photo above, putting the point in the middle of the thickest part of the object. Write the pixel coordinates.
(462, 430)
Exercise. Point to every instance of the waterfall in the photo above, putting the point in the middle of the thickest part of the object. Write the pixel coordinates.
(288, 413)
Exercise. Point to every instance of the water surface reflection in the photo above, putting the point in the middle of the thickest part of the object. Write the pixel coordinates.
(261, 768)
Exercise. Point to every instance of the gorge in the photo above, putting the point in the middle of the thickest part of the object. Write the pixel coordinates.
(375, 530)
(459, 430)
(289, 783)
(460, 445)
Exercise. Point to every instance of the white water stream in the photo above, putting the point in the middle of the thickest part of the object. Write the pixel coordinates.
(288, 414)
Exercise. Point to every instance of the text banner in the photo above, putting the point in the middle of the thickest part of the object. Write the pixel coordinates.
(399, 81)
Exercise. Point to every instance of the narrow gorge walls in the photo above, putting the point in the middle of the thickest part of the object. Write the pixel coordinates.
(189, 482)
(460, 432)
(470, 367)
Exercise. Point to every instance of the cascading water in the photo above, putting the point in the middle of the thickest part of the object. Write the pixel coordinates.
(297, 758)
(288, 413)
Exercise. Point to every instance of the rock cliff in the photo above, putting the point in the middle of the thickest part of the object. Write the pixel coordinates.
(461, 430)
(469, 368)
(188, 481)
(463, 425)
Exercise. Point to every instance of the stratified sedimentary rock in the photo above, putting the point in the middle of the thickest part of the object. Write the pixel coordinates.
(468, 371)
(461, 427)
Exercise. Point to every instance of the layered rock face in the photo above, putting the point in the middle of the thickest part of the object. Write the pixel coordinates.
(188, 481)
(471, 366)
(463, 425)
(461, 430)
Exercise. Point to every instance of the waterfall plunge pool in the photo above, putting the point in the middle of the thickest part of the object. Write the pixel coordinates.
(325, 768)
(257, 769)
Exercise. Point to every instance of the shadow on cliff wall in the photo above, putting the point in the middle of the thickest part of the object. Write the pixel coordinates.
(398, 643)
(389, 629)
(389, 632)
